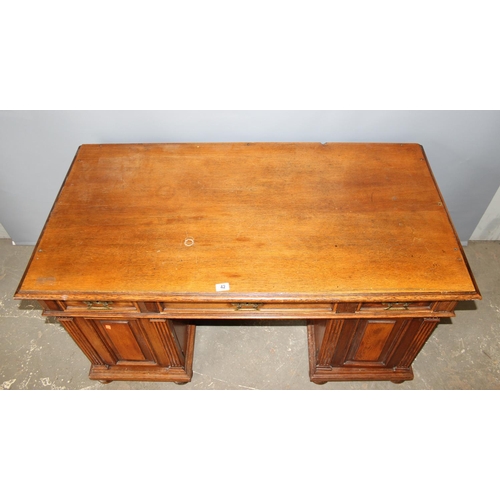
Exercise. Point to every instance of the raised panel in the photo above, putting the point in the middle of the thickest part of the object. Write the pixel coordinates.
(149, 307)
(445, 306)
(372, 342)
(122, 340)
(346, 307)
(373, 339)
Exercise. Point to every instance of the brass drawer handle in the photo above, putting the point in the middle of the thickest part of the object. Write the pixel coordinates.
(97, 304)
(396, 305)
(246, 306)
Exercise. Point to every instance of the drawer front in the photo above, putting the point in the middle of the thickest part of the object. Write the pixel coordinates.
(368, 307)
(240, 309)
(98, 305)
(383, 308)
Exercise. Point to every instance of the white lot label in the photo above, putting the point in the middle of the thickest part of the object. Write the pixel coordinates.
(221, 287)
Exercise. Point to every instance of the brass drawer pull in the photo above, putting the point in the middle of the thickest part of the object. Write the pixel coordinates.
(97, 304)
(396, 305)
(246, 306)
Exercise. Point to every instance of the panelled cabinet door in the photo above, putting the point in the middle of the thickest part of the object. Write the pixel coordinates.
(372, 343)
(139, 341)
(122, 345)
(125, 341)
(365, 347)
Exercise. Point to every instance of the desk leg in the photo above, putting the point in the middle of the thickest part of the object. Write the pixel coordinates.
(366, 349)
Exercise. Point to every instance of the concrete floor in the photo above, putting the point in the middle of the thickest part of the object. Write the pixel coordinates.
(463, 353)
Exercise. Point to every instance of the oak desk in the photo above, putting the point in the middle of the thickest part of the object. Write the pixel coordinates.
(144, 239)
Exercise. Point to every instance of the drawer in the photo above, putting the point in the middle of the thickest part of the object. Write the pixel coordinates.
(98, 305)
(235, 309)
(369, 307)
(383, 308)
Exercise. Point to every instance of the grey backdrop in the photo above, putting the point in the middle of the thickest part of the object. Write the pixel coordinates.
(37, 147)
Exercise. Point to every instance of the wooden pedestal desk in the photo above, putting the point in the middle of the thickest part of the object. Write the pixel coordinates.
(145, 239)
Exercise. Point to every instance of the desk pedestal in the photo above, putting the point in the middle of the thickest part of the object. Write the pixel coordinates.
(140, 349)
(366, 349)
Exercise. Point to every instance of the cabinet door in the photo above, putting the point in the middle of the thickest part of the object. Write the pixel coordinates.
(357, 349)
(124, 345)
(370, 343)
(140, 342)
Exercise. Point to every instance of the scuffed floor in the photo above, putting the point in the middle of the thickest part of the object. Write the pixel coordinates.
(463, 352)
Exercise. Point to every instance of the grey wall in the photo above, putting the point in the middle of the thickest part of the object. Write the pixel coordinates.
(37, 147)
(488, 227)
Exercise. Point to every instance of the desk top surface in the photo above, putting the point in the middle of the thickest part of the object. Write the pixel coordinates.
(297, 221)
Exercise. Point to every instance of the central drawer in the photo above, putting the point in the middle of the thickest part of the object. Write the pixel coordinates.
(244, 308)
